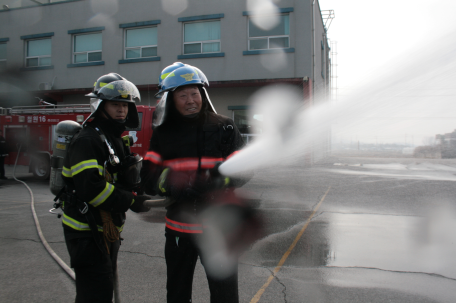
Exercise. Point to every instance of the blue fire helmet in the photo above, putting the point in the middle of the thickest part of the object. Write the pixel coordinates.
(167, 70)
(184, 75)
(176, 75)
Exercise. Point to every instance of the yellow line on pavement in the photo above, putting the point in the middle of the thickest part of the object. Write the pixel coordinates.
(258, 295)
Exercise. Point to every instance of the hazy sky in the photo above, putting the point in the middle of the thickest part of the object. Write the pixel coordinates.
(371, 33)
(399, 58)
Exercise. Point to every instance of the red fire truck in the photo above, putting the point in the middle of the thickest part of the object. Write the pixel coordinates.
(29, 130)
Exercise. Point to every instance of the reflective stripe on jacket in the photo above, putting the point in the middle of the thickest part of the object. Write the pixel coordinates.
(83, 173)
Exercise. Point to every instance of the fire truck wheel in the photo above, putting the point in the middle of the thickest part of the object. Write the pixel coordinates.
(41, 168)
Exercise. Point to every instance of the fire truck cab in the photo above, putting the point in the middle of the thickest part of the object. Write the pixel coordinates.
(30, 130)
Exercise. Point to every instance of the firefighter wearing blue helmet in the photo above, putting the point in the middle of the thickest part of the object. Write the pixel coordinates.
(189, 142)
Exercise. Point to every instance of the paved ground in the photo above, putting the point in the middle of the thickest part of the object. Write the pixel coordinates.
(380, 230)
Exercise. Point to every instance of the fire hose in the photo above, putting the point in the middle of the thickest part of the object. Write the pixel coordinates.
(37, 223)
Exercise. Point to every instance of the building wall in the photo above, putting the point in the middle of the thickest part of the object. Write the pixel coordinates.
(57, 19)
(321, 75)
(70, 83)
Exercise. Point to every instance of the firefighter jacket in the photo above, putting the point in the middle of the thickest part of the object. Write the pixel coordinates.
(188, 146)
(84, 173)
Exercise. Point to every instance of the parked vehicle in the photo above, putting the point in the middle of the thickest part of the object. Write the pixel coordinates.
(32, 128)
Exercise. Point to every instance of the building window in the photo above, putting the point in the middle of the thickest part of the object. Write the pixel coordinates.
(2, 55)
(250, 124)
(277, 37)
(140, 42)
(87, 48)
(38, 53)
(202, 37)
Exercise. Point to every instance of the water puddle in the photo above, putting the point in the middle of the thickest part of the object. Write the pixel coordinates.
(392, 243)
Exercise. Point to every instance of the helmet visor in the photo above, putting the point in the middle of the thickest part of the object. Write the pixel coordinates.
(121, 90)
(160, 110)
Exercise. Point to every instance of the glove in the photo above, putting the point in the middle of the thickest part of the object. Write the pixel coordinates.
(221, 182)
(138, 204)
(201, 186)
(214, 172)
(218, 181)
(172, 183)
(163, 188)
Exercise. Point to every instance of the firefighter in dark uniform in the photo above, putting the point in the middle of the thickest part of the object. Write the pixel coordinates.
(100, 174)
(188, 143)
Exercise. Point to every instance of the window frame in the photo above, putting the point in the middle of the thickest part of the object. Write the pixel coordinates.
(268, 38)
(37, 57)
(136, 47)
(73, 55)
(201, 42)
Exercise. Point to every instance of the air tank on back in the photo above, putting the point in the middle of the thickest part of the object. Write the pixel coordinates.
(64, 132)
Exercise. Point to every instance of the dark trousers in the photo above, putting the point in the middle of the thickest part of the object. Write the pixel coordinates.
(181, 257)
(2, 167)
(94, 270)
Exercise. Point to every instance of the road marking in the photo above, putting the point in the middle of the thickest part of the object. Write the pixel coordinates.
(258, 295)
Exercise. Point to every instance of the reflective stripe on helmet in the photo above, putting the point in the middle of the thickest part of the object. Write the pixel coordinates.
(163, 76)
(168, 70)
